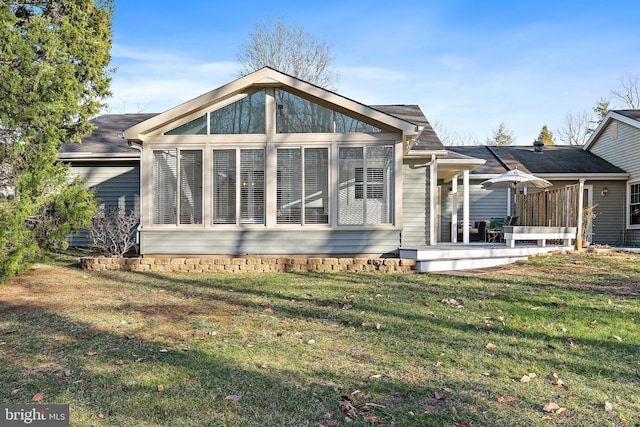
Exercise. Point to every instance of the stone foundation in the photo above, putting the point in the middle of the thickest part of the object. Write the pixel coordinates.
(243, 265)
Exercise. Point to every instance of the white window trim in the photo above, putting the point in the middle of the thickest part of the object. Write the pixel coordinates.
(628, 207)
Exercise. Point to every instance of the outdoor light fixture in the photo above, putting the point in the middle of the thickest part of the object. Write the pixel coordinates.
(604, 192)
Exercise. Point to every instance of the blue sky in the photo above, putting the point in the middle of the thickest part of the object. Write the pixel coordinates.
(469, 64)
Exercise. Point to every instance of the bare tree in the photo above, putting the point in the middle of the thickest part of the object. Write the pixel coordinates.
(575, 129)
(629, 91)
(289, 49)
(452, 138)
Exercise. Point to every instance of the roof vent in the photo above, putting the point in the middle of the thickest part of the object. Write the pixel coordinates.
(537, 146)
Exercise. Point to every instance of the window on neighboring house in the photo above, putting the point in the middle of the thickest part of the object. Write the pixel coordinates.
(177, 186)
(634, 204)
(246, 185)
(365, 178)
(302, 186)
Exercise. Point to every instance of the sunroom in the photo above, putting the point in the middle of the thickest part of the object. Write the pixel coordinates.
(269, 164)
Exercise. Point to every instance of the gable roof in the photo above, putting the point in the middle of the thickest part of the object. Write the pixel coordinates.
(427, 140)
(106, 140)
(264, 77)
(630, 117)
(554, 161)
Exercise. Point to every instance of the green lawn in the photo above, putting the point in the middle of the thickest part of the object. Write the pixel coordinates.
(298, 349)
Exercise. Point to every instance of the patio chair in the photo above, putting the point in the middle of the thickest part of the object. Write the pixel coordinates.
(495, 230)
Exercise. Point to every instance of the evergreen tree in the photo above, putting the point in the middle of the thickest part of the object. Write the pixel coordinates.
(54, 60)
(546, 136)
(501, 136)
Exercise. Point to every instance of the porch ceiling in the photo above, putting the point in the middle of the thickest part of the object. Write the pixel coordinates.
(450, 168)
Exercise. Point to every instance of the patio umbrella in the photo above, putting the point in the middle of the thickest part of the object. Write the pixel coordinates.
(516, 179)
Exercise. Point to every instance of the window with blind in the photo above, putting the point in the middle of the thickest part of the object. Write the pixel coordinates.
(252, 186)
(634, 205)
(302, 186)
(224, 187)
(246, 185)
(365, 179)
(177, 186)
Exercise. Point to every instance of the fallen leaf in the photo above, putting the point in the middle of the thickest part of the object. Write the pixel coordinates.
(438, 395)
(378, 325)
(233, 397)
(551, 407)
(268, 310)
(16, 391)
(617, 337)
(164, 350)
(347, 407)
(448, 390)
(310, 342)
(571, 341)
(347, 307)
(430, 409)
(38, 397)
(555, 380)
(490, 346)
(507, 399)
(91, 353)
(372, 419)
(375, 377)
(437, 364)
(608, 407)
(101, 415)
(160, 387)
(120, 362)
(525, 379)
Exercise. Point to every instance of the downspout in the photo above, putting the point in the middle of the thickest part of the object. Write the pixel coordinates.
(136, 147)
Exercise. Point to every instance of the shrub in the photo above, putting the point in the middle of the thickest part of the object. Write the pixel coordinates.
(112, 231)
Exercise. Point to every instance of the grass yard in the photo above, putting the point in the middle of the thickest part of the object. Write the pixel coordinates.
(554, 341)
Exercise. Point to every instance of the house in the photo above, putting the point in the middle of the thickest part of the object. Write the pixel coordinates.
(562, 165)
(617, 140)
(270, 164)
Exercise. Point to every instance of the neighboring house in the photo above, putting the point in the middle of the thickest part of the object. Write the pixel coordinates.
(562, 165)
(617, 139)
(269, 164)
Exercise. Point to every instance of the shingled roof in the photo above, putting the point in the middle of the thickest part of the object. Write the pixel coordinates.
(105, 141)
(427, 140)
(553, 159)
(632, 114)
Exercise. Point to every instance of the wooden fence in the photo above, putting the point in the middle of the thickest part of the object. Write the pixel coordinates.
(550, 208)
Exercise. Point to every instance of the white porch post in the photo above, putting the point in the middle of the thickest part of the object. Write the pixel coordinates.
(454, 209)
(433, 192)
(580, 218)
(465, 207)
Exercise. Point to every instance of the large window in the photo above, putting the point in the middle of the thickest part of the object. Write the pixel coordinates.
(365, 185)
(246, 116)
(302, 186)
(634, 204)
(299, 115)
(177, 186)
(245, 185)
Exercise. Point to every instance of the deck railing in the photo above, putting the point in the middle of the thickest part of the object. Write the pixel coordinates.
(549, 208)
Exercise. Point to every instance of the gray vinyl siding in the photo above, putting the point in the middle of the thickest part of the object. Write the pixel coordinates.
(415, 204)
(483, 205)
(115, 184)
(268, 242)
(623, 152)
